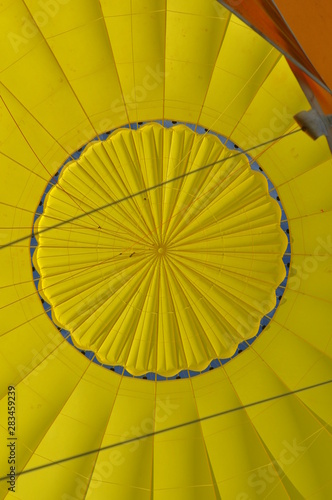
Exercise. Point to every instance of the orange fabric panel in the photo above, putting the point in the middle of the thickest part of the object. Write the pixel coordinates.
(322, 96)
(306, 36)
(265, 18)
(311, 23)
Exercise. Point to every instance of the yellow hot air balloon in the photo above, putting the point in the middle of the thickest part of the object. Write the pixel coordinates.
(154, 342)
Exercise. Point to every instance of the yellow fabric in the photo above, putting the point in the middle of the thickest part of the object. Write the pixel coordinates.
(169, 279)
(84, 68)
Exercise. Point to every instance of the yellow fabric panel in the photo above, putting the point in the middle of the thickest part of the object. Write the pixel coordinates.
(99, 491)
(234, 469)
(16, 213)
(307, 317)
(275, 94)
(240, 76)
(128, 465)
(89, 64)
(140, 62)
(303, 366)
(65, 75)
(182, 451)
(11, 274)
(318, 284)
(300, 154)
(271, 115)
(187, 60)
(14, 147)
(114, 8)
(187, 493)
(42, 395)
(308, 442)
(23, 307)
(18, 33)
(197, 8)
(37, 340)
(306, 201)
(56, 18)
(46, 151)
(86, 412)
(44, 87)
(311, 235)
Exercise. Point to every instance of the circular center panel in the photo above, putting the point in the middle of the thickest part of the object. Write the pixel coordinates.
(160, 250)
